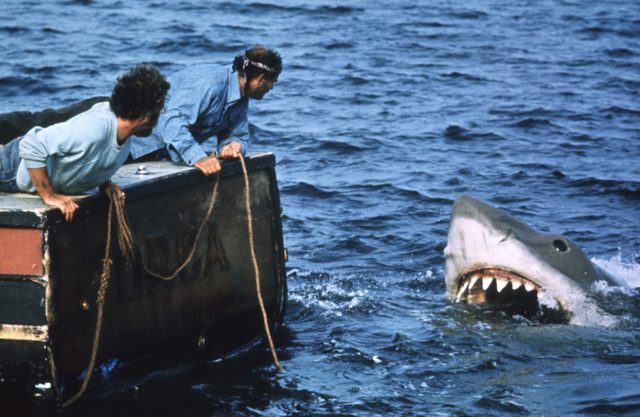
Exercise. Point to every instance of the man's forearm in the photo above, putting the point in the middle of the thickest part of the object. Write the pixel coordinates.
(41, 181)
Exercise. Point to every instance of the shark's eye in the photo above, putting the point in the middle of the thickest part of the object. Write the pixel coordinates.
(560, 245)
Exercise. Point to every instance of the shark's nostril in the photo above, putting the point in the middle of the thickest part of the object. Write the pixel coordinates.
(560, 245)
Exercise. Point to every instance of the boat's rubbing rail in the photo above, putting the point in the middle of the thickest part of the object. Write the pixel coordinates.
(24, 332)
(28, 210)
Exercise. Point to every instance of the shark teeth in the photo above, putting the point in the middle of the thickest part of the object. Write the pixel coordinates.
(501, 283)
(463, 288)
(486, 282)
(478, 286)
(473, 281)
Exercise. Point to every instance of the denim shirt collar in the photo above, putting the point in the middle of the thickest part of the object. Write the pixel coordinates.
(233, 88)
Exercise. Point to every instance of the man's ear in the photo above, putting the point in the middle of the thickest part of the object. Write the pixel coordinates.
(143, 119)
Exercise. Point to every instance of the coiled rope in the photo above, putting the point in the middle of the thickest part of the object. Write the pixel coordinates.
(127, 246)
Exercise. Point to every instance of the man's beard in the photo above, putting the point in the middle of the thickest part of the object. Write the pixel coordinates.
(256, 94)
(145, 132)
(147, 128)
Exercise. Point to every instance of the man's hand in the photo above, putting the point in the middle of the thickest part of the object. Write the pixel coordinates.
(209, 165)
(112, 191)
(231, 150)
(65, 203)
(41, 181)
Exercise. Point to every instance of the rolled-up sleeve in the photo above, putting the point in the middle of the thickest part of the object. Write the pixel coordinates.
(36, 147)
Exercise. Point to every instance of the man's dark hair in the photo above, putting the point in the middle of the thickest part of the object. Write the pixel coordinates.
(138, 92)
(258, 60)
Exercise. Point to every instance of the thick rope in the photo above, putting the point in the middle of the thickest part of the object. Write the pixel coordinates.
(256, 270)
(102, 290)
(128, 245)
(125, 238)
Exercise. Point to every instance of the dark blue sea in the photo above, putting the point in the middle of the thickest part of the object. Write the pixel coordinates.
(384, 114)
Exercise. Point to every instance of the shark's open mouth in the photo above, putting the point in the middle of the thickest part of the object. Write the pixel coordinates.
(508, 290)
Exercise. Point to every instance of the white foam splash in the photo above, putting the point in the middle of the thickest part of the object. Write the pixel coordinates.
(330, 296)
(545, 299)
(588, 314)
(626, 271)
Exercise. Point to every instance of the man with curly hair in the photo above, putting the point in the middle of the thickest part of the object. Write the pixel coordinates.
(207, 110)
(85, 151)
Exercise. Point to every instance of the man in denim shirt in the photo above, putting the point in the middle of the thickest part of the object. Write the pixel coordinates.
(207, 110)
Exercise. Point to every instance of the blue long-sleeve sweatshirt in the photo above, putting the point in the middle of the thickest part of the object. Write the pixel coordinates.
(80, 154)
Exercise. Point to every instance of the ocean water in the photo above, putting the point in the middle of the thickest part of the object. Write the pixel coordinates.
(384, 114)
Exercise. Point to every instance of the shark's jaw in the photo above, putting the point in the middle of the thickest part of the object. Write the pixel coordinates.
(510, 292)
(494, 284)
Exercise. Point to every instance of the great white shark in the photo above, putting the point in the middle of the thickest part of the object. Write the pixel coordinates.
(491, 257)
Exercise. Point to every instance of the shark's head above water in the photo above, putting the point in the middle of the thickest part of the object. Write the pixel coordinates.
(493, 258)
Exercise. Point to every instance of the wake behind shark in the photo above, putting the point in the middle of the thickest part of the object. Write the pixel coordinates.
(493, 258)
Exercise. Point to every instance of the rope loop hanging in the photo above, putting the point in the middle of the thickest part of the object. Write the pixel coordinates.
(128, 245)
